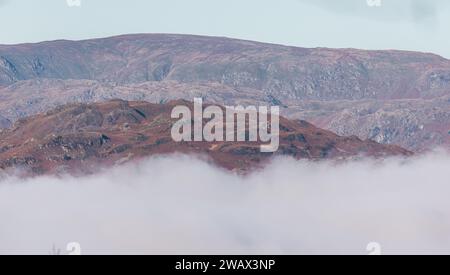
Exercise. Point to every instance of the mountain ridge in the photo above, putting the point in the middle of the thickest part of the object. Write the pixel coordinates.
(121, 36)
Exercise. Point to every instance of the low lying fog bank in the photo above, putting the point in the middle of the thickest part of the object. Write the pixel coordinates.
(180, 205)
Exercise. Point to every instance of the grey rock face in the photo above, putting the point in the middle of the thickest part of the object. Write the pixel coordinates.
(4, 122)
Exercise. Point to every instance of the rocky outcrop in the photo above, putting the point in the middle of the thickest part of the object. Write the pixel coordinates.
(4, 123)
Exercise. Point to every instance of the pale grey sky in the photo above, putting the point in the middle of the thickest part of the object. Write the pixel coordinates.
(420, 25)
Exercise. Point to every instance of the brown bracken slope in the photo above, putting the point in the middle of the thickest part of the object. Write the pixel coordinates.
(80, 138)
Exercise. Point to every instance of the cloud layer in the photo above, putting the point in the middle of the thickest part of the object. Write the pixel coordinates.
(179, 205)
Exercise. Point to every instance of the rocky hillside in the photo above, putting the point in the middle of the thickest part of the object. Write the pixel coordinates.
(393, 97)
(80, 138)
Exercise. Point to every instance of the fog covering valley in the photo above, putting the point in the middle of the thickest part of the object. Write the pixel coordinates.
(291, 207)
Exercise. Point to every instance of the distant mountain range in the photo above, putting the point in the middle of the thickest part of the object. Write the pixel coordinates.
(78, 138)
(392, 97)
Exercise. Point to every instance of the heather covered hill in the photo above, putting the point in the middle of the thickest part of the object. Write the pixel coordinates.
(83, 137)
